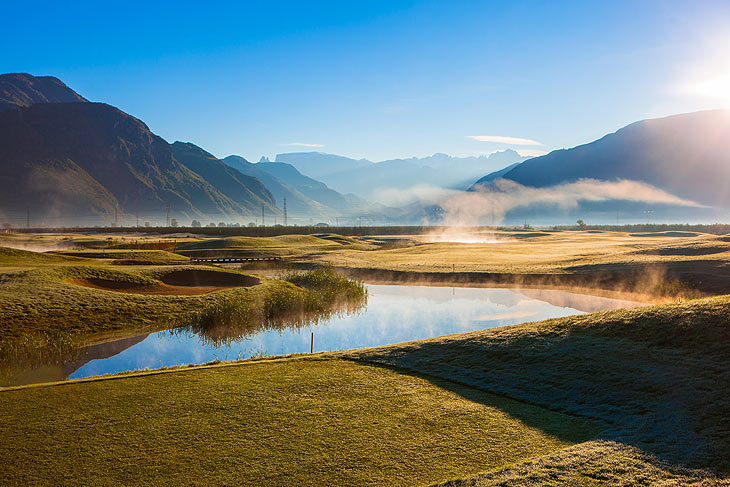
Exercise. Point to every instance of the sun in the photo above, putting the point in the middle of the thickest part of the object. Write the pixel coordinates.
(715, 87)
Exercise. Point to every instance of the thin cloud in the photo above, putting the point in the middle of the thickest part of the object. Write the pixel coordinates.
(504, 140)
(302, 144)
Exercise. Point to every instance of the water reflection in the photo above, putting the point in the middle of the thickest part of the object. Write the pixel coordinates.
(393, 314)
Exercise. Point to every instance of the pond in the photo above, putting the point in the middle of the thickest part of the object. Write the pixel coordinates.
(393, 314)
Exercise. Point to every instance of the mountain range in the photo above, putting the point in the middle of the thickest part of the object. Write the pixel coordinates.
(67, 161)
(306, 197)
(370, 179)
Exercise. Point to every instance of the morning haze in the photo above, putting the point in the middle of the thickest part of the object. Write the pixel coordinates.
(375, 243)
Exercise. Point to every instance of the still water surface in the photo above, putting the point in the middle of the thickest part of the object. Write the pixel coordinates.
(393, 314)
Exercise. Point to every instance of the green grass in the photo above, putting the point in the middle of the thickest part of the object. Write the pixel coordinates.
(656, 378)
(295, 422)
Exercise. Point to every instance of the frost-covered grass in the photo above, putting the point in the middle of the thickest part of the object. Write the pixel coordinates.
(656, 377)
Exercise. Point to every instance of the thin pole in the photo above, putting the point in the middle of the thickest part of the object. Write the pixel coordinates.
(311, 346)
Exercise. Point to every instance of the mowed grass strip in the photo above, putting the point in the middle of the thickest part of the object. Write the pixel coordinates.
(294, 422)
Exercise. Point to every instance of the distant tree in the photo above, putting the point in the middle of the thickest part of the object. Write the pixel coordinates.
(147, 224)
(211, 224)
(251, 224)
(222, 224)
(581, 224)
(195, 224)
(7, 226)
(173, 222)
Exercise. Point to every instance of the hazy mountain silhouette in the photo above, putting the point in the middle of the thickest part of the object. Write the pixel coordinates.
(298, 204)
(687, 155)
(319, 164)
(82, 163)
(367, 179)
(310, 187)
(494, 175)
(249, 191)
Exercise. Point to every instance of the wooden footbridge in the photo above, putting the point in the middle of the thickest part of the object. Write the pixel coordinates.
(224, 260)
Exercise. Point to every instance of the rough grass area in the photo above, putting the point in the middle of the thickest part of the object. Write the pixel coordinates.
(294, 422)
(656, 376)
(592, 464)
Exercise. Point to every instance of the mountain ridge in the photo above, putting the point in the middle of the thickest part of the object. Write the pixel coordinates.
(687, 155)
(19, 90)
(79, 162)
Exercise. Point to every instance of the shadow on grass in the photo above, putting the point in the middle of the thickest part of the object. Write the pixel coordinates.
(667, 401)
(568, 428)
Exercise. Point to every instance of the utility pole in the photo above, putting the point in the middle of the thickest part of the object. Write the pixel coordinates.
(116, 220)
(137, 221)
(263, 221)
(27, 217)
(168, 215)
(337, 221)
(286, 220)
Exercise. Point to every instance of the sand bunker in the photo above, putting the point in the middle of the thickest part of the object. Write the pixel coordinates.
(177, 283)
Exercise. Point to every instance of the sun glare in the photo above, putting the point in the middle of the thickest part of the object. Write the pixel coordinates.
(715, 87)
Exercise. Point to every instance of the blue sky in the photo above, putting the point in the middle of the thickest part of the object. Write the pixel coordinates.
(380, 79)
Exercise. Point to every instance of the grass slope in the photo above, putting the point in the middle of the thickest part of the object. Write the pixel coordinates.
(294, 422)
(657, 377)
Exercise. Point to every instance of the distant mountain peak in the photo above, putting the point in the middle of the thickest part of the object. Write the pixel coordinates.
(264, 159)
(23, 89)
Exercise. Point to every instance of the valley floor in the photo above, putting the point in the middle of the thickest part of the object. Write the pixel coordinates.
(624, 397)
(649, 387)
